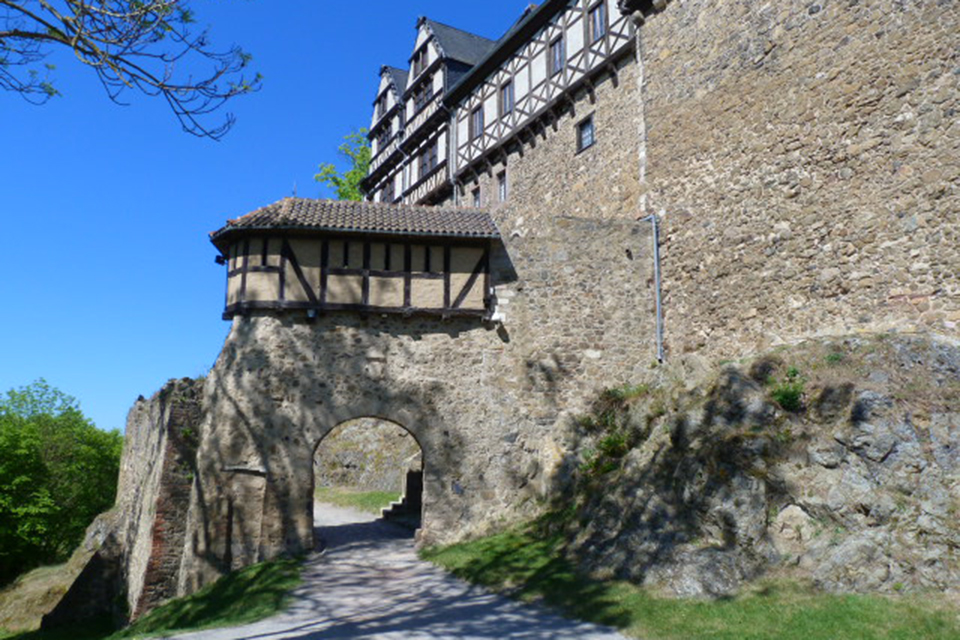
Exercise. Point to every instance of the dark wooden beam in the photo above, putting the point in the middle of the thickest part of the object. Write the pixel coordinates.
(246, 264)
(407, 268)
(292, 259)
(324, 269)
(471, 281)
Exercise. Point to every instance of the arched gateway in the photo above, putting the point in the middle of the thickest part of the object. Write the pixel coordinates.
(483, 346)
(340, 310)
(409, 314)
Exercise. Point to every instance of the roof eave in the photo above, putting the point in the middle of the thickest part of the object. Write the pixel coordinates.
(218, 238)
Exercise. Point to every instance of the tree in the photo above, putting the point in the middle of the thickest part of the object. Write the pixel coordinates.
(143, 45)
(356, 149)
(57, 473)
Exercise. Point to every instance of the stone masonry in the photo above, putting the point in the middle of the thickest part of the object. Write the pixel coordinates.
(480, 400)
(804, 159)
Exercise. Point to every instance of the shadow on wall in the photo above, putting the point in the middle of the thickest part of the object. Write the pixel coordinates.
(690, 490)
(280, 386)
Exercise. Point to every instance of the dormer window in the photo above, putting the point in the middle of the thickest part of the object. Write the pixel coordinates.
(384, 137)
(428, 159)
(421, 96)
(381, 105)
(419, 61)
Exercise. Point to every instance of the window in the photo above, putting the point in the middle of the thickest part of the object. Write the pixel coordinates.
(586, 134)
(502, 186)
(428, 159)
(557, 56)
(419, 62)
(476, 123)
(598, 22)
(506, 98)
(389, 191)
(421, 96)
(476, 197)
(383, 138)
(381, 105)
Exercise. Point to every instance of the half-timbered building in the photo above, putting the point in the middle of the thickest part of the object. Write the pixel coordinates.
(466, 104)
(325, 255)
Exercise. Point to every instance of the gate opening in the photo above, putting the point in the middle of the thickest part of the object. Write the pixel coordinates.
(372, 465)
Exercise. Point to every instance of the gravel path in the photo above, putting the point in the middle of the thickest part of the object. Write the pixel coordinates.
(369, 583)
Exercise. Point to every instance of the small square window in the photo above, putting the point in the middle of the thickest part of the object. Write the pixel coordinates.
(586, 134)
(598, 22)
(502, 186)
(558, 56)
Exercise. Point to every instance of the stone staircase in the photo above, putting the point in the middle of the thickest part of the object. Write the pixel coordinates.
(406, 510)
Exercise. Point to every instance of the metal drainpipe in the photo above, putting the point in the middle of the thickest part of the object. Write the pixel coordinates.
(657, 282)
(652, 218)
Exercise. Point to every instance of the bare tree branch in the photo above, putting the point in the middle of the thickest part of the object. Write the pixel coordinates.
(141, 45)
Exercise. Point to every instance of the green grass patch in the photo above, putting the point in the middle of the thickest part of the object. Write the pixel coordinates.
(245, 596)
(369, 501)
(530, 566)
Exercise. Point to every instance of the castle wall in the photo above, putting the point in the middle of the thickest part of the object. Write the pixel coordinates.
(482, 400)
(548, 177)
(806, 159)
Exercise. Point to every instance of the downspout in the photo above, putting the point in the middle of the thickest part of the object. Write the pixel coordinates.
(638, 20)
(657, 282)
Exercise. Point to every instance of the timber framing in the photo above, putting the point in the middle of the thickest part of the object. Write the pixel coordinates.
(300, 294)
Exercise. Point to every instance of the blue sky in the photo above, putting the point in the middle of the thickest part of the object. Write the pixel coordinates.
(110, 286)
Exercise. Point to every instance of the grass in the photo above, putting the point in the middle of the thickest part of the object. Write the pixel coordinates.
(369, 501)
(245, 596)
(529, 566)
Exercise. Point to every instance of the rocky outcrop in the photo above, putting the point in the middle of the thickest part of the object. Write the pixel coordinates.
(857, 487)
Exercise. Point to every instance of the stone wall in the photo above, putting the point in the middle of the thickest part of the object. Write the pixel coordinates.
(366, 455)
(806, 160)
(481, 400)
(130, 558)
(547, 177)
(156, 477)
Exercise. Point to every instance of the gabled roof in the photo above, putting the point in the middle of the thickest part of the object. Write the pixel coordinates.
(398, 76)
(460, 45)
(303, 214)
(532, 19)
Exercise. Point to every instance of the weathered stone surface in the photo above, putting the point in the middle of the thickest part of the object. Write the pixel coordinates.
(806, 168)
(863, 499)
(367, 455)
(481, 400)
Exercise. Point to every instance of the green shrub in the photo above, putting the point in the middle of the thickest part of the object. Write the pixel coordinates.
(789, 395)
(788, 392)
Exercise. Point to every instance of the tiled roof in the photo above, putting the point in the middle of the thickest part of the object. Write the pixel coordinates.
(363, 217)
(399, 77)
(461, 45)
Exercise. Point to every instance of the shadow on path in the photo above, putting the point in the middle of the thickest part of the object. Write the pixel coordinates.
(367, 582)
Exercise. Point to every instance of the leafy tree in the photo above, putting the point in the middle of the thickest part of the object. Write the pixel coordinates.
(356, 149)
(57, 472)
(144, 45)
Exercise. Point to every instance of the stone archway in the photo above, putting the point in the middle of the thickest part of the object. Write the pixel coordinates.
(374, 458)
(281, 385)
